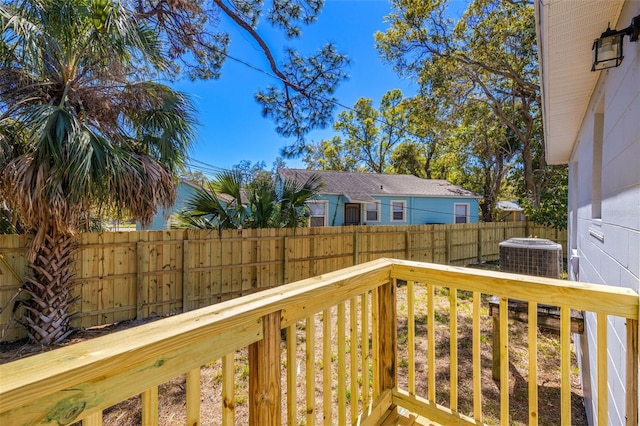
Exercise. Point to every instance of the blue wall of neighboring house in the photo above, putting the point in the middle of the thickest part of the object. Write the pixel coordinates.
(419, 210)
(161, 219)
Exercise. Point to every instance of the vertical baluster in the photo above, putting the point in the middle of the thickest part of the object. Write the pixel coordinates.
(533, 363)
(150, 407)
(364, 332)
(353, 368)
(431, 345)
(411, 328)
(193, 397)
(310, 368)
(565, 364)
(477, 370)
(504, 361)
(342, 365)
(631, 384)
(228, 390)
(292, 375)
(375, 344)
(603, 392)
(326, 367)
(453, 348)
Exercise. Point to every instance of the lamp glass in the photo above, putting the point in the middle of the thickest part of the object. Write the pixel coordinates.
(607, 52)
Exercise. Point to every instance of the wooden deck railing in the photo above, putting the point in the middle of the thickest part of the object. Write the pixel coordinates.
(344, 346)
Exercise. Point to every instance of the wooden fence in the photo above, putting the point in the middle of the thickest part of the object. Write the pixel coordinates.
(133, 275)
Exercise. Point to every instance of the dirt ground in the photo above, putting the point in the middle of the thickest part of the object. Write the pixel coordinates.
(171, 394)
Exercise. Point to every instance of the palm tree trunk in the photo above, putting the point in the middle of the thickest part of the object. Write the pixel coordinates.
(48, 308)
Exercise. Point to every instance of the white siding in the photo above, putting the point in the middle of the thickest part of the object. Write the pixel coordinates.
(609, 249)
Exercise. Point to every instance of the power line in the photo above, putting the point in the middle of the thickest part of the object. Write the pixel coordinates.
(207, 169)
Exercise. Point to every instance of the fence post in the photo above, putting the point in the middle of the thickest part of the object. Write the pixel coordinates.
(185, 276)
(265, 408)
(386, 337)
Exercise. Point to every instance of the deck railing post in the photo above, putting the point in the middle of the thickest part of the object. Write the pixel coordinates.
(265, 375)
(386, 337)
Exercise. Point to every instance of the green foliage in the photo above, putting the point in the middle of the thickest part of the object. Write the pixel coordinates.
(330, 154)
(187, 41)
(409, 159)
(227, 202)
(252, 172)
(553, 199)
(84, 128)
(89, 127)
(480, 95)
(369, 136)
(306, 101)
(6, 225)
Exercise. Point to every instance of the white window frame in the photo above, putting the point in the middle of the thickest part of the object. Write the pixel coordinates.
(455, 212)
(366, 211)
(326, 212)
(404, 210)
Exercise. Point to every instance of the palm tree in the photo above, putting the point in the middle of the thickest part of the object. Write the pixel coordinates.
(92, 130)
(293, 197)
(215, 205)
(227, 203)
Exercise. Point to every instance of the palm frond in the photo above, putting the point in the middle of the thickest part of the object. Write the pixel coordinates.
(93, 136)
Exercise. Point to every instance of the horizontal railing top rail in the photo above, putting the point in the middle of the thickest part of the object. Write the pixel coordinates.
(82, 379)
(604, 299)
(89, 376)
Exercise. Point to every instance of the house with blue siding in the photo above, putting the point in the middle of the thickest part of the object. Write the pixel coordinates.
(161, 220)
(349, 198)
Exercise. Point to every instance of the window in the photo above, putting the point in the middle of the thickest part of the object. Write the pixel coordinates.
(398, 211)
(461, 213)
(373, 212)
(318, 215)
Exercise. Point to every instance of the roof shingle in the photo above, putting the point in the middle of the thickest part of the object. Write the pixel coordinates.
(361, 186)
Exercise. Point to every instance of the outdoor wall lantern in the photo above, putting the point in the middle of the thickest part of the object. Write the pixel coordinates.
(607, 50)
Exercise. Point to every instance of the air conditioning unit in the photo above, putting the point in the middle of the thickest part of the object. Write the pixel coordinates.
(531, 256)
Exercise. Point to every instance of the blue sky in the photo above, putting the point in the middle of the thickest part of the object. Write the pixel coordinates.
(232, 128)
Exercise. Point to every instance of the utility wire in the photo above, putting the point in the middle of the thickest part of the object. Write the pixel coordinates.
(208, 168)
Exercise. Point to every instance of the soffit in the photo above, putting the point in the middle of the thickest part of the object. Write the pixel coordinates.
(566, 31)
